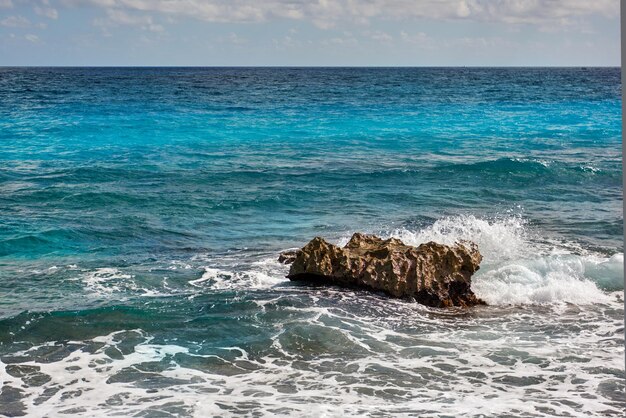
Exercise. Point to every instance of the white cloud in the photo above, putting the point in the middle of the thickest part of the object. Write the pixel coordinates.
(379, 36)
(482, 43)
(31, 38)
(420, 39)
(347, 40)
(20, 22)
(117, 17)
(15, 22)
(234, 39)
(286, 42)
(48, 12)
(6, 4)
(328, 13)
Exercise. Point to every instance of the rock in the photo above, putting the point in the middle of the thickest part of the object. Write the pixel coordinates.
(433, 274)
(288, 257)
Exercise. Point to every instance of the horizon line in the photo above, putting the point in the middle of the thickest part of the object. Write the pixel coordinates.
(310, 66)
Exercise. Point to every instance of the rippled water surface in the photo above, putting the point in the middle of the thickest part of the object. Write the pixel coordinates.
(142, 212)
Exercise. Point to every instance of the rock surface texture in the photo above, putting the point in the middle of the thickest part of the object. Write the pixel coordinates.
(433, 274)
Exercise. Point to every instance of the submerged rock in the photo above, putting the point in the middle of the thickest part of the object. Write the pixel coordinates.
(288, 257)
(433, 274)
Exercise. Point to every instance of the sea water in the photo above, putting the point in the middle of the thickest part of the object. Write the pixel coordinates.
(142, 211)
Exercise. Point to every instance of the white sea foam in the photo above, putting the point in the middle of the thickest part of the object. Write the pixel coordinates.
(518, 269)
(106, 280)
(498, 240)
(111, 282)
(210, 274)
(329, 361)
(343, 353)
(524, 283)
(608, 273)
(259, 274)
(561, 278)
(519, 266)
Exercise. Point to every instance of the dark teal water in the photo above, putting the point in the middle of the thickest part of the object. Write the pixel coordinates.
(142, 211)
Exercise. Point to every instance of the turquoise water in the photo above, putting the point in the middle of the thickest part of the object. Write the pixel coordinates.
(142, 211)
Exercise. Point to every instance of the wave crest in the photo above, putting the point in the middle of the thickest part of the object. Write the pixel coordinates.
(518, 268)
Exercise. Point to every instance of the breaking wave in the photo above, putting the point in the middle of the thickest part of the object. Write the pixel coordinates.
(521, 268)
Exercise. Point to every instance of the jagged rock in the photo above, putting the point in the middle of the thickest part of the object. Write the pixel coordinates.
(432, 274)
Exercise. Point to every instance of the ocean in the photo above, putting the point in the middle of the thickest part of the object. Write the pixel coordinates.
(142, 211)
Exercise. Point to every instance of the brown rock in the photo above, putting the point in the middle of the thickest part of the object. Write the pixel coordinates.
(433, 274)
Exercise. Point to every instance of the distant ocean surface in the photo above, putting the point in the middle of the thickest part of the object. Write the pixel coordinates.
(142, 212)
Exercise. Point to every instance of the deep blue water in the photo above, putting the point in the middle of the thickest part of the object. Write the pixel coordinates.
(142, 209)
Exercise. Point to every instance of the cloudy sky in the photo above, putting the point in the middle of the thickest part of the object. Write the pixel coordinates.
(310, 32)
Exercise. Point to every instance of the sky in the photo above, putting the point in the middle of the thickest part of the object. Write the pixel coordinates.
(310, 32)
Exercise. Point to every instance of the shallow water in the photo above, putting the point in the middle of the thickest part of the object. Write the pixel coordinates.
(142, 211)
